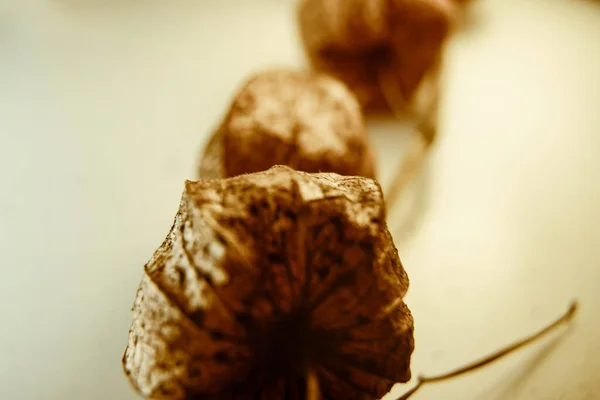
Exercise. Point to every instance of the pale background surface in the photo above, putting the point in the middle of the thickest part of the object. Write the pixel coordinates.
(104, 106)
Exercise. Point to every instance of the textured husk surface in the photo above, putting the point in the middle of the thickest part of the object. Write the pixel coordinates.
(368, 44)
(265, 276)
(308, 121)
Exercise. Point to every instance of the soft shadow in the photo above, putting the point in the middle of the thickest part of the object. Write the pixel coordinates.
(410, 210)
(516, 381)
(474, 18)
(392, 136)
(595, 3)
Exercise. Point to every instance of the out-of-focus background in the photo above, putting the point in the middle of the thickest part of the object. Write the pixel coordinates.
(104, 106)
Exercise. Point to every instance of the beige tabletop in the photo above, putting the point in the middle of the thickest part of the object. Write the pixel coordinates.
(104, 106)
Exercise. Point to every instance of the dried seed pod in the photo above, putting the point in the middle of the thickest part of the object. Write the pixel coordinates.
(267, 284)
(308, 121)
(389, 54)
(370, 44)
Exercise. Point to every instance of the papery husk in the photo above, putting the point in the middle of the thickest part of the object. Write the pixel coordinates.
(358, 41)
(266, 279)
(308, 121)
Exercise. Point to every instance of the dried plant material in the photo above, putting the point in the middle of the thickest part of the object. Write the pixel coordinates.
(308, 121)
(423, 380)
(389, 53)
(274, 285)
(312, 386)
(359, 40)
(415, 156)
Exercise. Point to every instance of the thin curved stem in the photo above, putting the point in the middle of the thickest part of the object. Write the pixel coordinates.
(423, 380)
(426, 130)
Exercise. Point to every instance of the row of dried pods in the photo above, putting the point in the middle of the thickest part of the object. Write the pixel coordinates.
(279, 278)
(368, 56)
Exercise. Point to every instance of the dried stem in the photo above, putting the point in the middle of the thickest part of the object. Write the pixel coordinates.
(426, 128)
(422, 380)
(312, 386)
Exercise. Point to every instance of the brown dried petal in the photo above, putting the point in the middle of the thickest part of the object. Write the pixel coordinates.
(310, 122)
(356, 40)
(264, 276)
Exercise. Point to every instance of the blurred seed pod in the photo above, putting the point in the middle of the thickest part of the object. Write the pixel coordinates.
(389, 53)
(373, 45)
(308, 121)
(273, 285)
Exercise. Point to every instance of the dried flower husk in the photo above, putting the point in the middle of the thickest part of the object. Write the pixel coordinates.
(389, 53)
(305, 120)
(375, 43)
(265, 279)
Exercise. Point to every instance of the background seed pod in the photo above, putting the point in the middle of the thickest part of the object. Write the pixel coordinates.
(264, 277)
(368, 44)
(308, 121)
